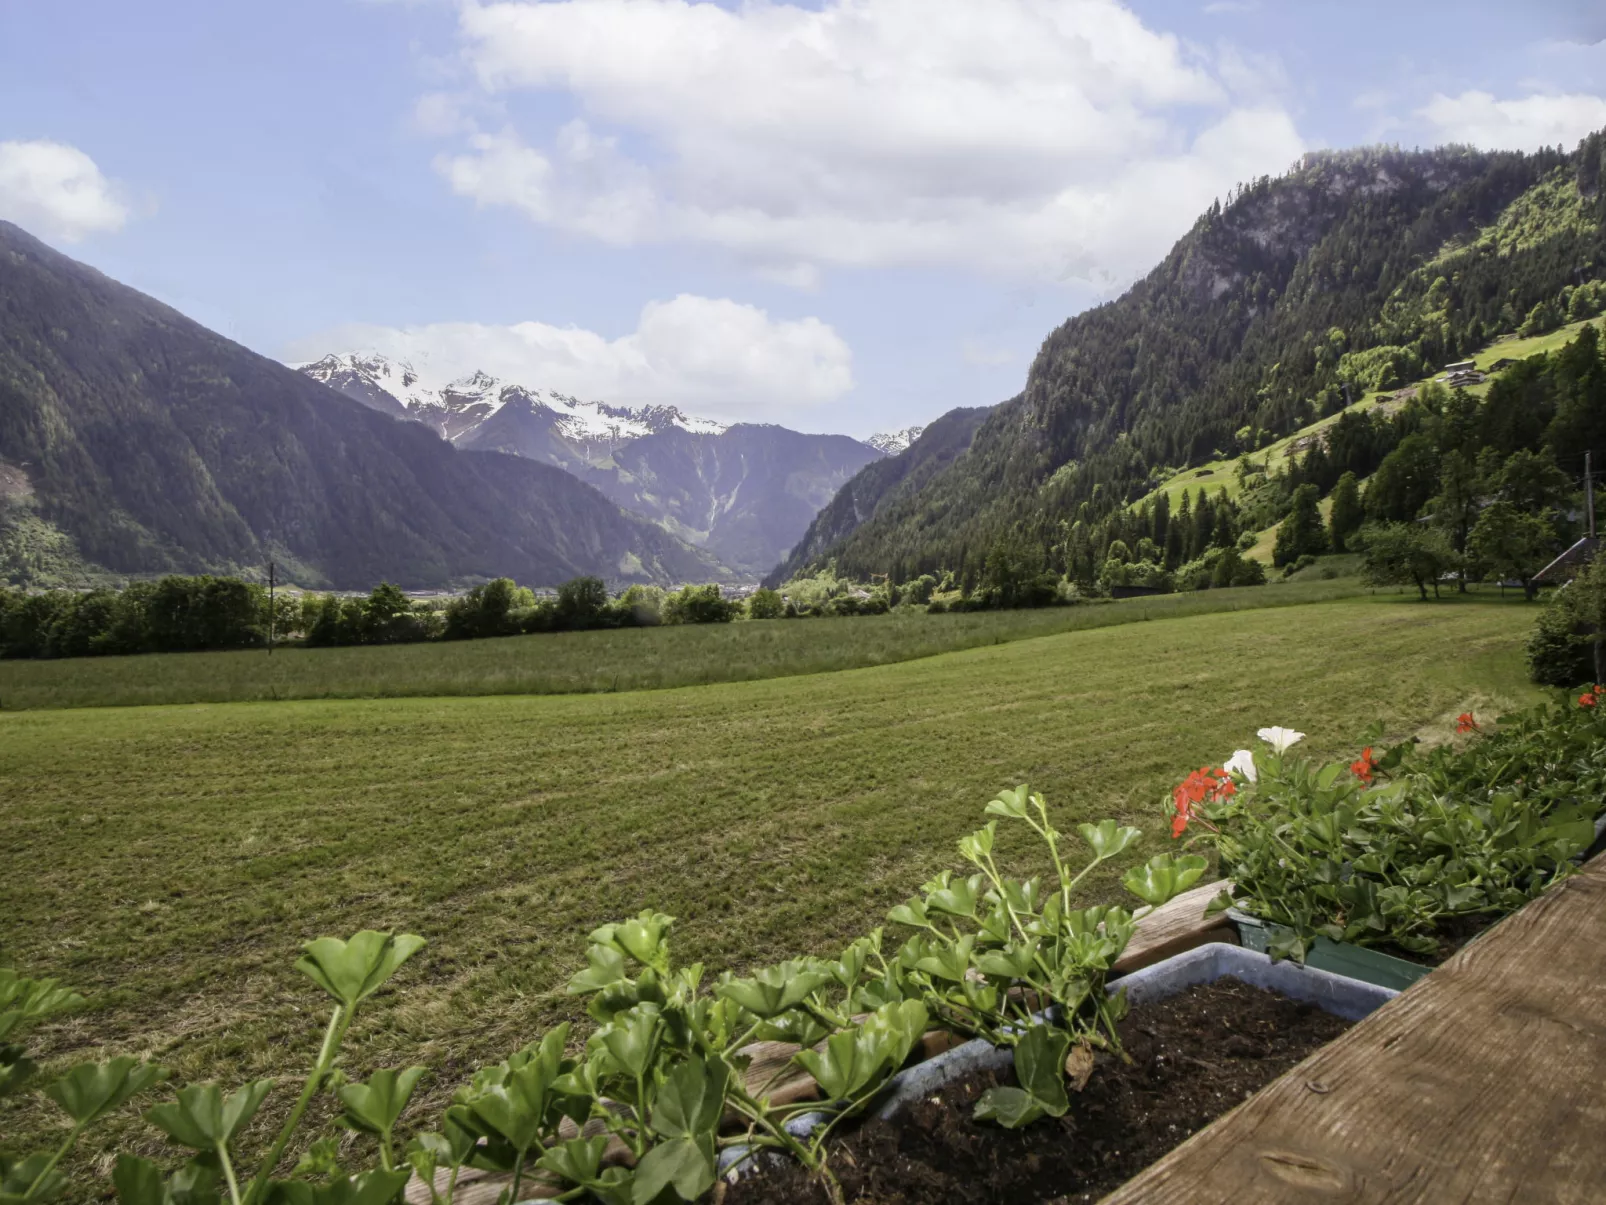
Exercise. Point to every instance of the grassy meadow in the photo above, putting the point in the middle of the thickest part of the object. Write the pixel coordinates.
(167, 861)
(577, 662)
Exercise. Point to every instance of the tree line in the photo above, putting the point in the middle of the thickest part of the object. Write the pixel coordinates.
(193, 614)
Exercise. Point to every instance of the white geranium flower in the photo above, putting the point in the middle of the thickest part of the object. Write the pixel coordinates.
(1280, 739)
(1242, 763)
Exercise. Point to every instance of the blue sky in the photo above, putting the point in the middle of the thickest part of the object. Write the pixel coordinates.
(846, 215)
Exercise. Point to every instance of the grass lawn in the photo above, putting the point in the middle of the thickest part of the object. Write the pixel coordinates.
(167, 861)
(563, 663)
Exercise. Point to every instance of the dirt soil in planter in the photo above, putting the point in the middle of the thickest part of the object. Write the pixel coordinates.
(1194, 1056)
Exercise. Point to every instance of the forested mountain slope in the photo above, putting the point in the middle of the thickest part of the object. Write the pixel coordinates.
(136, 441)
(1356, 269)
(883, 484)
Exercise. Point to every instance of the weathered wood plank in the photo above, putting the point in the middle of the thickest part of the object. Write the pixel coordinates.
(1485, 1082)
(1175, 927)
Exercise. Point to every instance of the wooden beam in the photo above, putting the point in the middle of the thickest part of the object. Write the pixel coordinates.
(1175, 927)
(1484, 1082)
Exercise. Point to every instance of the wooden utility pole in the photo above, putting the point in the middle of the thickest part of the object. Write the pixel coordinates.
(273, 613)
(1589, 492)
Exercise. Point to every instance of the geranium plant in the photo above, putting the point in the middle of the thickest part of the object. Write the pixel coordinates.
(1012, 960)
(1381, 849)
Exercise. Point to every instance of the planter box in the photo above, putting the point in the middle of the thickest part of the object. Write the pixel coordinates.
(1337, 994)
(1338, 957)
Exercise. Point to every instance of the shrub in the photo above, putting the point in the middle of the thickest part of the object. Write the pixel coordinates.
(765, 604)
(699, 604)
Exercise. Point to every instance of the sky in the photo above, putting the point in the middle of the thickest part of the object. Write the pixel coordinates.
(838, 215)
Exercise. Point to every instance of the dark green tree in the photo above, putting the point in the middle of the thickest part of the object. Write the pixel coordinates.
(1509, 544)
(1406, 554)
(1346, 516)
(1302, 532)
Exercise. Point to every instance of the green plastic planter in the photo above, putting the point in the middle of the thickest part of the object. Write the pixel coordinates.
(1339, 957)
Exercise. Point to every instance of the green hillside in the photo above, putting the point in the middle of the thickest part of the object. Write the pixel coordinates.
(1364, 270)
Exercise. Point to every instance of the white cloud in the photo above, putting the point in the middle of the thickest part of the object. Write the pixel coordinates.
(56, 192)
(1056, 138)
(1514, 125)
(698, 352)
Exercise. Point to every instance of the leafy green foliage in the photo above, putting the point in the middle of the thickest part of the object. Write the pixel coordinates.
(1330, 850)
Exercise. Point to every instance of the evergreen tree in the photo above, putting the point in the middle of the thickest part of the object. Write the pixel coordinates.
(1345, 518)
(1301, 533)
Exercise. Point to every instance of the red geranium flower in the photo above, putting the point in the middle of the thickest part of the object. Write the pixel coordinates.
(1203, 784)
(1363, 766)
(1464, 723)
(1587, 699)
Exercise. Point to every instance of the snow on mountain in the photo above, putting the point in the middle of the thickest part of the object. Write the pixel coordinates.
(893, 442)
(745, 492)
(457, 406)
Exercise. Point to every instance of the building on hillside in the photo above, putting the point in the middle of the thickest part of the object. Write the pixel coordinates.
(1460, 378)
(1503, 363)
(1460, 366)
(1570, 563)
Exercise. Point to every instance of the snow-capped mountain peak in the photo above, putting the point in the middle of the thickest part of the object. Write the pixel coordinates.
(893, 442)
(458, 406)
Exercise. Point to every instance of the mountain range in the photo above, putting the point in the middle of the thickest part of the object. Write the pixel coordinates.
(1356, 271)
(745, 492)
(135, 441)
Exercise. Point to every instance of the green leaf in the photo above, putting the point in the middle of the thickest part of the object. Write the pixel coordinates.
(1164, 876)
(1040, 1071)
(351, 971)
(578, 1160)
(957, 898)
(139, 1182)
(684, 1166)
(630, 1039)
(607, 968)
(1220, 903)
(374, 1107)
(27, 1180)
(89, 1091)
(1040, 1067)
(367, 1188)
(202, 1119)
(979, 844)
(518, 1099)
(1009, 1107)
(1012, 962)
(643, 938)
(24, 1000)
(16, 1069)
(1010, 803)
(771, 991)
(691, 1099)
(1106, 838)
(911, 913)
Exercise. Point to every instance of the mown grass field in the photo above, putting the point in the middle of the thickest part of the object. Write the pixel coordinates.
(167, 861)
(571, 662)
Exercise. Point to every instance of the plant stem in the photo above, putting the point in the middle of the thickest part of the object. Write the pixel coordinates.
(50, 1166)
(228, 1172)
(338, 1022)
(518, 1176)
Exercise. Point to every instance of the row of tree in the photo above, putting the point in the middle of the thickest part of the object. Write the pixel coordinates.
(191, 614)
